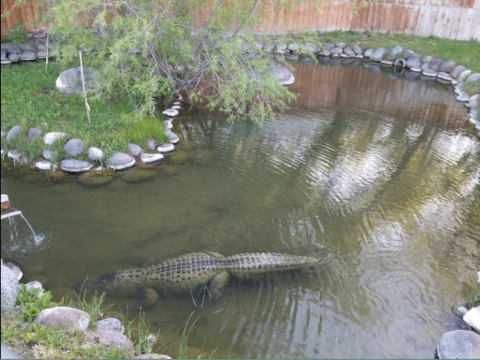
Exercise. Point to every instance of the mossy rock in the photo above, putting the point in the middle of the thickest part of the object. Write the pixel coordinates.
(94, 181)
(180, 156)
(138, 176)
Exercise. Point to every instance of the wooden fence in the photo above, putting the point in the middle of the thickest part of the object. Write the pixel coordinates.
(449, 19)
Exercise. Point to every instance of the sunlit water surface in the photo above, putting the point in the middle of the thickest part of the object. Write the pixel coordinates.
(378, 168)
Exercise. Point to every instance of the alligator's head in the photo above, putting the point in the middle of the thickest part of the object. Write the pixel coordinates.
(106, 283)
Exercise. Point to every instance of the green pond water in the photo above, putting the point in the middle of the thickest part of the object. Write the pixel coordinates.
(377, 168)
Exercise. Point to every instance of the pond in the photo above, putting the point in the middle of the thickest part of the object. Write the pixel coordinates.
(376, 167)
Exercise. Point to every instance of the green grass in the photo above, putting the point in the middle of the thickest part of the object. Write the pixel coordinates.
(472, 87)
(462, 52)
(29, 98)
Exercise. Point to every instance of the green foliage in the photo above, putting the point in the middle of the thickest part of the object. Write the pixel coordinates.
(31, 303)
(94, 305)
(18, 33)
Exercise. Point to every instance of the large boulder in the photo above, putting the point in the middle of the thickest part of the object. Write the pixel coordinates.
(9, 288)
(357, 49)
(73, 147)
(70, 81)
(459, 344)
(63, 317)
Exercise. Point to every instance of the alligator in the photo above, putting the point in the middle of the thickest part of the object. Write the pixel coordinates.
(192, 272)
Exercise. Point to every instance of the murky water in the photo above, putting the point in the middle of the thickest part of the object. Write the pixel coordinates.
(376, 167)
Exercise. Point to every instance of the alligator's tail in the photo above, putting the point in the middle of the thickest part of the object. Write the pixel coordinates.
(258, 264)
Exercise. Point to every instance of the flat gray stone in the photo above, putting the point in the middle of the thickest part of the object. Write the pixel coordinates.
(63, 317)
(340, 45)
(43, 165)
(121, 161)
(457, 71)
(171, 112)
(447, 66)
(309, 47)
(110, 324)
(425, 66)
(414, 61)
(27, 47)
(349, 52)
(33, 133)
(281, 73)
(165, 148)
(138, 176)
(70, 81)
(407, 53)
(168, 124)
(435, 64)
(344, 56)
(324, 53)
(444, 76)
(41, 54)
(151, 158)
(51, 137)
(335, 56)
(14, 154)
(328, 45)
(416, 70)
(473, 77)
(367, 53)
(357, 49)
(172, 138)
(429, 73)
(114, 339)
(13, 57)
(95, 154)
(176, 107)
(134, 149)
(387, 62)
(73, 147)
(10, 288)
(378, 54)
(28, 56)
(336, 50)
(281, 46)
(463, 97)
(293, 47)
(13, 132)
(459, 344)
(49, 154)
(393, 54)
(13, 50)
(75, 166)
(464, 75)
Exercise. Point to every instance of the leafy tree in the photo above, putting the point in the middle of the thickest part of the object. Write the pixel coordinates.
(148, 50)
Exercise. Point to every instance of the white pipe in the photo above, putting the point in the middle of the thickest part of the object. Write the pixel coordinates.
(10, 214)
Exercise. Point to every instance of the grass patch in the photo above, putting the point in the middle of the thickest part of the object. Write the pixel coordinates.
(474, 298)
(29, 98)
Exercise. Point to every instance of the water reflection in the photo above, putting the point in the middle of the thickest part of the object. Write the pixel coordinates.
(367, 163)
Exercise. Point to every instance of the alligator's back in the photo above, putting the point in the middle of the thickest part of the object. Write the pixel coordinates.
(253, 265)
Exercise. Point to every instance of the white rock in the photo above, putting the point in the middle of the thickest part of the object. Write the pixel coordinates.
(43, 165)
(51, 137)
(168, 124)
(472, 318)
(165, 148)
(63, 317)
(171, 112)
(95, 153)
(151, 158)
(176, 107)
(416, 70)
(14, 154)
(172, 138)
(35, 285)
(177, 103)
(454, 82)
(75, 166)
(463, 97)
(464, 75)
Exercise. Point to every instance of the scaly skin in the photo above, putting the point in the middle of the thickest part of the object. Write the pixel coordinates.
(194, 271)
